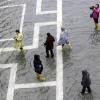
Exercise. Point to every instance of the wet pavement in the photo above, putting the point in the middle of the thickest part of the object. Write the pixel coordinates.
(85, 53)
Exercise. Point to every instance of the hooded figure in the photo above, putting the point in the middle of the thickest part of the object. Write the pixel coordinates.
(49, 45)
(38, 67)
(18, 40)
(64, 38)
(38, 64)
(86, 82)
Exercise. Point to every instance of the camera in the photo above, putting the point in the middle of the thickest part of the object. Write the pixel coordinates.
(92, 7)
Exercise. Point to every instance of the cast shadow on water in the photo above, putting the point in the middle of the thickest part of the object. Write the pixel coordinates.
(21, 58)
(67, 57)
(22, 65)
(44, 90)
(66, 53)
(51, 63)
(95, 37)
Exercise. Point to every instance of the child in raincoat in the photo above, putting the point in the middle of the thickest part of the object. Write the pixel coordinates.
(18, 40)
(38, 67)
(64, 39)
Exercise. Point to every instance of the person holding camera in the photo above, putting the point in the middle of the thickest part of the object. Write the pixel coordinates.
(95, 14)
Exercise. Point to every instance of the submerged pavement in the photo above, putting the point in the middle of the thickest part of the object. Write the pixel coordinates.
(84, 54)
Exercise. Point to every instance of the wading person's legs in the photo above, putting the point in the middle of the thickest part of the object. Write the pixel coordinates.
(52, 54)
(83, 90)
(96, 23)
(89, 89)
(47, 52)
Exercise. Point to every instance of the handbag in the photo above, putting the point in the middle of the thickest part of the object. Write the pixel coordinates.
(91, 15)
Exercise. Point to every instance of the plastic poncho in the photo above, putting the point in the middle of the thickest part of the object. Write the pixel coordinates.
(18, 41)
(63, 38)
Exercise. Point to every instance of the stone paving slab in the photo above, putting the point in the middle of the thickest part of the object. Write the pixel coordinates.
(4, 81)
(43, 93)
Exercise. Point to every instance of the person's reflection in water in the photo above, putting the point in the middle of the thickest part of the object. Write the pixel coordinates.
(95, 38)
(21, 58)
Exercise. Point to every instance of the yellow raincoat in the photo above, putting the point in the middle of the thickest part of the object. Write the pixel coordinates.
(18, 41)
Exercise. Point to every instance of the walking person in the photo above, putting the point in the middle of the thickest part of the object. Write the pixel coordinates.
(95, 15)
(49, 45)
(18, 40)
(86, 82)
(38, 67)
(63, 40)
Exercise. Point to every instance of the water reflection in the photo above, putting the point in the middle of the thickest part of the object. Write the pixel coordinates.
(66, 53)
(95, 37)
(21, 58)
(87, 97)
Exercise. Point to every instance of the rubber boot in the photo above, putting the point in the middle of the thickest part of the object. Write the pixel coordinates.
(69, 46)
(38, 76)
(42, 78)
(96, 26)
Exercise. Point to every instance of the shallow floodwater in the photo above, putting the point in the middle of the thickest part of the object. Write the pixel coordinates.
(84, 54)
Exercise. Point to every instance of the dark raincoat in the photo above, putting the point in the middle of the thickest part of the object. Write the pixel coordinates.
(38, 67)
(86, 81)
(49, 42)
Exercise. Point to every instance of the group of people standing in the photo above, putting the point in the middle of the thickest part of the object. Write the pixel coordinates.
(49, 46)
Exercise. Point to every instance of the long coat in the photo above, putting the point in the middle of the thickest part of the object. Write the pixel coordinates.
(49, 42)
(86, 81)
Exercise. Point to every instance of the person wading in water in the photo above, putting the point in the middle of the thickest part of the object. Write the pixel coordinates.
(18, 39)
(95, 15)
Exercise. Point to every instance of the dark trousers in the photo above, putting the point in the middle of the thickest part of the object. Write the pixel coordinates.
(51, 51)
(86, 87)
(96, 20)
